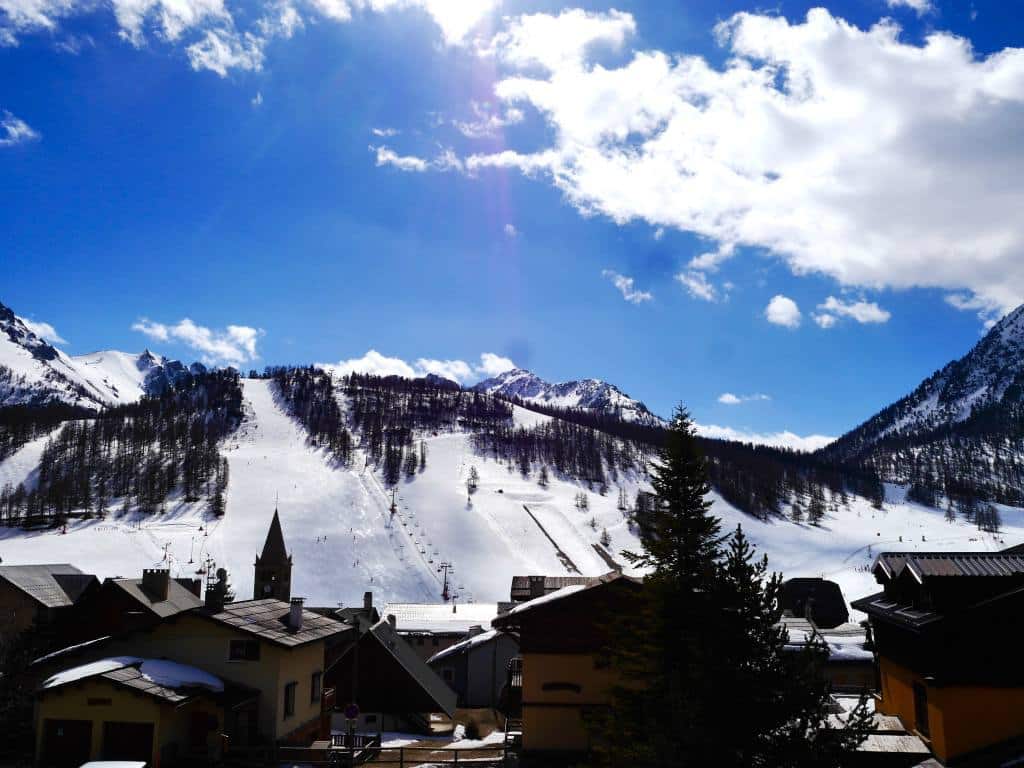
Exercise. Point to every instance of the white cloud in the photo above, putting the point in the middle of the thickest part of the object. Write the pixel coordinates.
(173, 16)
(511, 231)
(43, 330)
(14, 130)
(697, 285)
(862, 311)
(220, 51)
(782, 310)
(728, 398)
(709, 261)
(232, 346)
(486, 123)
(921, 7)
(456, 18)
(784, 439)
(627, 287)
(905, 173)
(386, 156)
(494, 365)
(257, 100)
(384, 132)
(373, 362)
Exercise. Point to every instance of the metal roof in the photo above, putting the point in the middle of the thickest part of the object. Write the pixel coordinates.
(179, 598)
(404, 654)
(268, 620)
(53, 585)
(931, 564)
(454, 618)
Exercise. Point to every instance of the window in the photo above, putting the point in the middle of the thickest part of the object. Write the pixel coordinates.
(244, 650)
(314, 687)
(289, 699)
(921, 709)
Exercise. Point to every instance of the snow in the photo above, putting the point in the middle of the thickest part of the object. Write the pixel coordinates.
(471, 642)
(558, 594)
(71, 649)
(169, 674)
(20, 467)
(440, 617)
(119, 376)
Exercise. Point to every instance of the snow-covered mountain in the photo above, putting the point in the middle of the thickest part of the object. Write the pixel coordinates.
(990, 376)
(591, 394)
(34, 372)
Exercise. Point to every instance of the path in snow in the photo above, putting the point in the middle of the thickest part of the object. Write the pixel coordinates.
(21, 466)
(336, 531)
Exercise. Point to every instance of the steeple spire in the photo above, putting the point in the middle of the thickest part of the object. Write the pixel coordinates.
(274, 566)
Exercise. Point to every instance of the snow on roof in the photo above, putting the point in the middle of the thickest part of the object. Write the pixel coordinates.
(465, 645)
(558, 594)
(71, 649)
(168, 674)
(440, 617)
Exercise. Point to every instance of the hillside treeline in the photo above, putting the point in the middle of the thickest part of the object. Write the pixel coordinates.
(20, 424)
(138, 455)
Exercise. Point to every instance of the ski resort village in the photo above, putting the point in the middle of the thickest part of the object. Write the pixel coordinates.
(303, 567)
(511, 384)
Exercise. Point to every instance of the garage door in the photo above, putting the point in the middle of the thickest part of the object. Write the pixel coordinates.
(127, 741)
(66, 743)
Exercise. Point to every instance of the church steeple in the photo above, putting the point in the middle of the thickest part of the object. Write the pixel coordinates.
(273, 578)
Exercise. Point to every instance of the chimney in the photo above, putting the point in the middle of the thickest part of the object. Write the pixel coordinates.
(367, 601)
(195, 586)
(393, 622)
(475, 630)
(295, 614)
(217, 593)
(155, 582)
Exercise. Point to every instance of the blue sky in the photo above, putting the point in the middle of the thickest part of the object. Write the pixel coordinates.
(816, 210)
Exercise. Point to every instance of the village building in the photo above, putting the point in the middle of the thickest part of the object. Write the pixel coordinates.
(39, 596)
(531, 587)
(946, 629)
(432, 627)
(122, 605)
(561, 636)
(477, 668)
(816, 599)
(129, 708)
(389, 684)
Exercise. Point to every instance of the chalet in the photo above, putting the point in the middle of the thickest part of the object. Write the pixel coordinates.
(561, 636)
(387, 680)
(432, 627)
(476, 668)
(129, 708)
(947, 628)
(39, 595)
(127, 605)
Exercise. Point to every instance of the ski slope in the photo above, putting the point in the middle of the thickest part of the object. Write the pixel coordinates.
(344, 540)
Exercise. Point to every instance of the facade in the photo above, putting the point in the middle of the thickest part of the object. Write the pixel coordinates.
(531, 587)
(121, 709)
(39, 595)
(477, 668)
(561, 636)
(393, 688)
(273, 577)
(430, 628)
(947, 630)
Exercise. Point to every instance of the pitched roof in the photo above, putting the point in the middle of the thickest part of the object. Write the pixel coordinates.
(466, 645)
(179, 598)
(53, 585)
(162, 679)
(522, 585)
(273, 548)
(268, 620)
(939, 564)
(403, 653)
(593, 582)
(455, 618)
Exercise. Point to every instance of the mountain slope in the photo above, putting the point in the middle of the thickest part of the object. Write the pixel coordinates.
(34, 372)
(590, 394)
(959, 436)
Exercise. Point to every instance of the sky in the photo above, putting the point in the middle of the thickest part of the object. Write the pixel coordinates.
(783, 219)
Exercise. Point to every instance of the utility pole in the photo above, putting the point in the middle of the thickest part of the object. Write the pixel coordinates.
(446, 568)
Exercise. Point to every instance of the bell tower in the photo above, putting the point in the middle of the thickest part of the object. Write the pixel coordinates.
(273, 577)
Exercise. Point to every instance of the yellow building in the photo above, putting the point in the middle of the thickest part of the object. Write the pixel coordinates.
(130, 708)
(561, 635)
(947, 630)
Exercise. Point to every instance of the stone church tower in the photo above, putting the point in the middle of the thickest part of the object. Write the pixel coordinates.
(274, 567)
